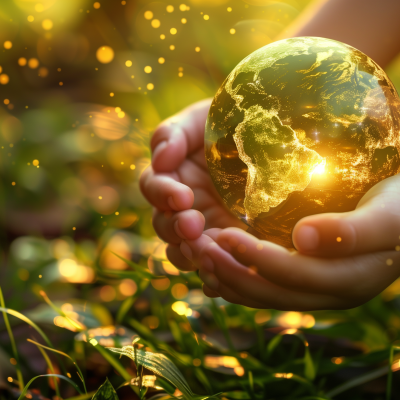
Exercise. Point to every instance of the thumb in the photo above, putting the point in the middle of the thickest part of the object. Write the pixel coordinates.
(372, 227)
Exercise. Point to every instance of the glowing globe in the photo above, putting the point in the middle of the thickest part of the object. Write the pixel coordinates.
(301, 126)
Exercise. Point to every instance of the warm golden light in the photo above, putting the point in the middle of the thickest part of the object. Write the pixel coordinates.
(180, 307)
(105, 54)
(22, 61)
(147, 69)
(30, 18)
(96, 5)
(148, 15)
(170, 9)
(7, 45)
(173, 31)
(179, 291)
(232, 31)
(33, 63)
(128, 63)
(155, 23)
(47, 24)
(127, 287)
(320, 168)
(150, 86)
(161, 60)
(160, 284)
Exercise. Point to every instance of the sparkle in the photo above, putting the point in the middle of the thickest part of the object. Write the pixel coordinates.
(105, 54)
(197, 49)
(161, 60)
(232, 31)
(7, 45)
(155, 23)
(30, 18)
(172, 47)
(96, 5)
(206, 17)
(339, 239)
(183, 20)
(148, 15)
(22, 62)
(173, 31)
(170, 9)
(128, 63)
(147, 69)
(47, 24)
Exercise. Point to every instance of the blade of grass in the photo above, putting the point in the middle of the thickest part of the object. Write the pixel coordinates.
(13, 345)
(65, 355)
(221, 322)
(24, 391)
(85, 396)
(51, 368)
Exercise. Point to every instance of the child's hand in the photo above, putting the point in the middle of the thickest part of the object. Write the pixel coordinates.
(242, 269)
(178, 184)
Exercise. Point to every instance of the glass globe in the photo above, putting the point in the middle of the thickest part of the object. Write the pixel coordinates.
(301, 126)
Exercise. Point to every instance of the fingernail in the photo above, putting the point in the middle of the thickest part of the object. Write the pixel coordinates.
(307, 238)
(171, 203)
(159, 148)
(186, 250)
(210, 280)
(178, 231)
(207, 263)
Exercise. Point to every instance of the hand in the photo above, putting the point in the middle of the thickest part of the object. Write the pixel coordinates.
(342, 260)
(179, 186)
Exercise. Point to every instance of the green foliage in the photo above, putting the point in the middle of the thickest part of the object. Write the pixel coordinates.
(105, 392)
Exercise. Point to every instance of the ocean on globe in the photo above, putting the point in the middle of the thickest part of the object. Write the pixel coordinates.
(301, 126)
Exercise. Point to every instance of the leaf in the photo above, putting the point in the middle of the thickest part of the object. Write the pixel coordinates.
(23, 393)
(105, 392)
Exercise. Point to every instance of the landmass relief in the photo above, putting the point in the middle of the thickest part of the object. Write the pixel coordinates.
(301, 126)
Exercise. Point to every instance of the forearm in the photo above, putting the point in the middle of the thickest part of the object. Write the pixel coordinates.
(371, 26)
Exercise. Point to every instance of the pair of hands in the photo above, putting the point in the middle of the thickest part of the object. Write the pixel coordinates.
(202, 234)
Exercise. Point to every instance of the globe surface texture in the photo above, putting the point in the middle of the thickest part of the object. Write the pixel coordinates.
(301, 126)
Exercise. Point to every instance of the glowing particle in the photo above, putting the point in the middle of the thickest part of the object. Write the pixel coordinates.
(162, 36)
(229, 9)
(172, 47)
(40, 276)
(61, 83)
(132, 166)
(242, 248)
(148, 15)
(128, 63)
(117, 109)
(43, 72)
(111, 94)
(232, 31)
(22, 61)
(161, 60)
(35, 163)
(33, 63)
(173, 31)
(13, 183)
(183, 7)
(150, 86)
(123, 2)
(7, 45)
(148, 69)
(93, 342)
(180, 74)
(30, 18)
(121, 114)
(127, 287)
(183, 20)
(10, 379)
(170, 9)
(4, 79)
(206, 17)
(397, 248)
(239, 371)
(389, 261)
(100, 197)
(47, 24)
(197, 49)
(59, 69)
(39, 7)
(155, 23)
(259, 247)
(116, 213)
(6, 101)
(105, 54)
(74, 228)
(96, 5)
(339, 239)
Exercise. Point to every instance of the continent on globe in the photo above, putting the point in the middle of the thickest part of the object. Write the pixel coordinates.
(301, 126)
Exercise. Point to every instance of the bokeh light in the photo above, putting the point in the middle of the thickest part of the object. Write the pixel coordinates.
(105, 54)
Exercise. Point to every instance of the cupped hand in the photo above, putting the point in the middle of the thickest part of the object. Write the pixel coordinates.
(342, 260)
(179, 186)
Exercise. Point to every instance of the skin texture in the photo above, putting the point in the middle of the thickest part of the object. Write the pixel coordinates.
(323, 272)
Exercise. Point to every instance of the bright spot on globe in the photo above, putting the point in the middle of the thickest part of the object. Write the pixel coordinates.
(301, 126)
(105, 54)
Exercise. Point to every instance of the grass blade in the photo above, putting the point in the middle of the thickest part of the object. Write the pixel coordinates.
(65, 355)
(13, 345)
(51, 368)
(24, 391)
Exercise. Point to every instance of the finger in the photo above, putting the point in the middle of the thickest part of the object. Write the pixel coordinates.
(175, 227)
(373, 226)
(165, 192)
(179, 136)
(250, 285)
(352, 277)
(208, 292)
(176, 258)
(226, 293)
(191, 249)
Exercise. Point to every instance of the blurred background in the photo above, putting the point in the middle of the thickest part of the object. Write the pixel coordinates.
(82, 86)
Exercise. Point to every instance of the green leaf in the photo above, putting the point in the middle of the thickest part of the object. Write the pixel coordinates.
(159, 364)
(23, 393)
(105, 392)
